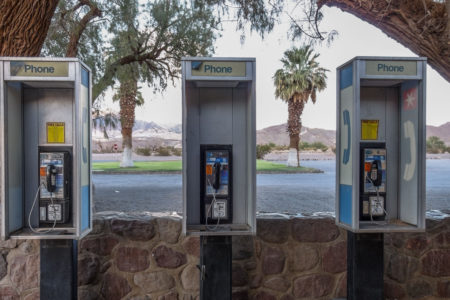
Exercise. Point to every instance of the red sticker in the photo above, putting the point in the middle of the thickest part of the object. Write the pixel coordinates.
(410, 99)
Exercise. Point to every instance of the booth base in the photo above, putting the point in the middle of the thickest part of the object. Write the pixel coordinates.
(365, 266)
(59, 269)
(215, 267)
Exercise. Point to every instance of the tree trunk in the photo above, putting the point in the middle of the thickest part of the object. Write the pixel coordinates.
(24, 25)
(294, 126)
(423, 26)
(128, 91)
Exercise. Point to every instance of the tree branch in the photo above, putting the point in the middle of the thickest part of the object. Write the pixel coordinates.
(94, 12)
(404, 22)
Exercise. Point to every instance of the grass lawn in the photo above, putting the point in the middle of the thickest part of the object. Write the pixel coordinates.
(262, 166)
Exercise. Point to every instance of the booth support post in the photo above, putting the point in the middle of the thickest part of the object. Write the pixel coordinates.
(365, 266)
(59, 266)
(215, 267)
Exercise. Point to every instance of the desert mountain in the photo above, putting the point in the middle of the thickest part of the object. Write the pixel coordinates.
(151, 133)
(443, 132)
(278, 135)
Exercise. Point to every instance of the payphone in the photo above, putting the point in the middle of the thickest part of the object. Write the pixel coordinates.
(373, 182)
(45, 138)
(380, 144)
(216, 190)
(219, 146)
(54, 186)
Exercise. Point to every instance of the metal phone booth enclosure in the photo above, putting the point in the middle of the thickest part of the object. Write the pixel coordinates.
(219, 146)
(380, 151)
(45, 148)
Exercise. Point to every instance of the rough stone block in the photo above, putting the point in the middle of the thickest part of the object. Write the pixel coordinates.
(436, 263)
(401, 267)
(87, 294)
(8, 244)
(190, 278)
(273, 230)
(132, 259)
(418, 288)
(272, 260)
(313, 286)
(443, 288)
(417, 245)
(101, 245)
(262, 295)
(242, 247)
(168, 258)
(240, 295)
(255, 281)
(169, 296)
(24, 271)
(7, 292)
(278, 283)
(169, 229)
(137, 230)
(302, 258)
(239, 276)
(341, 290)
(334, 259)
(88, 267)
(154, 281)
(114, 287)
(314, 230)
(192, 246)
(393, 290)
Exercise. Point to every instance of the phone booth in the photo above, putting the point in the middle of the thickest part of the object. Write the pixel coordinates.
(45, 148)
(219, 140)
(380, 144)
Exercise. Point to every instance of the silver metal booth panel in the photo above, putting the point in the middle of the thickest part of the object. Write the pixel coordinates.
(391, 91)
(220, 109)
(55, 91)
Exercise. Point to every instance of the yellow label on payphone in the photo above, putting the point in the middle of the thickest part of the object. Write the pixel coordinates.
(55, 132)
(369, 129)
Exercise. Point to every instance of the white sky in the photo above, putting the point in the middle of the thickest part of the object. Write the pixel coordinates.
(356, 38)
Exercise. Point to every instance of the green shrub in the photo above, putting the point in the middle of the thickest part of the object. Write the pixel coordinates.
(435, 145)
(313, 146)
(145, 151)
(262, 150)
(280, 147)
(163, 151)
(176, 151)
(319, 146)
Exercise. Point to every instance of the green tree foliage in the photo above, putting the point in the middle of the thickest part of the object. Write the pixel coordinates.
(299, 80)
(436, 145)
(313, 146)
(264, 149)
(158, 34)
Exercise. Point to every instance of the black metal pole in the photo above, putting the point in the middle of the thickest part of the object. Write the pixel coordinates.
(215, 267)
(365, 266)
(59, 266)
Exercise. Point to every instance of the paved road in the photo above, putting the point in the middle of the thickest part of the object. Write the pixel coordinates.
(291, 193)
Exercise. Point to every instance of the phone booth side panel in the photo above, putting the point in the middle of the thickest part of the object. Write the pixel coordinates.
(85, 151)
(345, 192)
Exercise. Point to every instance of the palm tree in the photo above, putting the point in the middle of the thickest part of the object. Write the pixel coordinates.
(129, 96)
(300, 79)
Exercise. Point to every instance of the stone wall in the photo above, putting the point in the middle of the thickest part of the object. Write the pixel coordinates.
(146, 257)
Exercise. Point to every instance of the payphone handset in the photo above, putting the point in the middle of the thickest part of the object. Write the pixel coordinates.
(54, 198)
(373, 192)
(216, 198)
